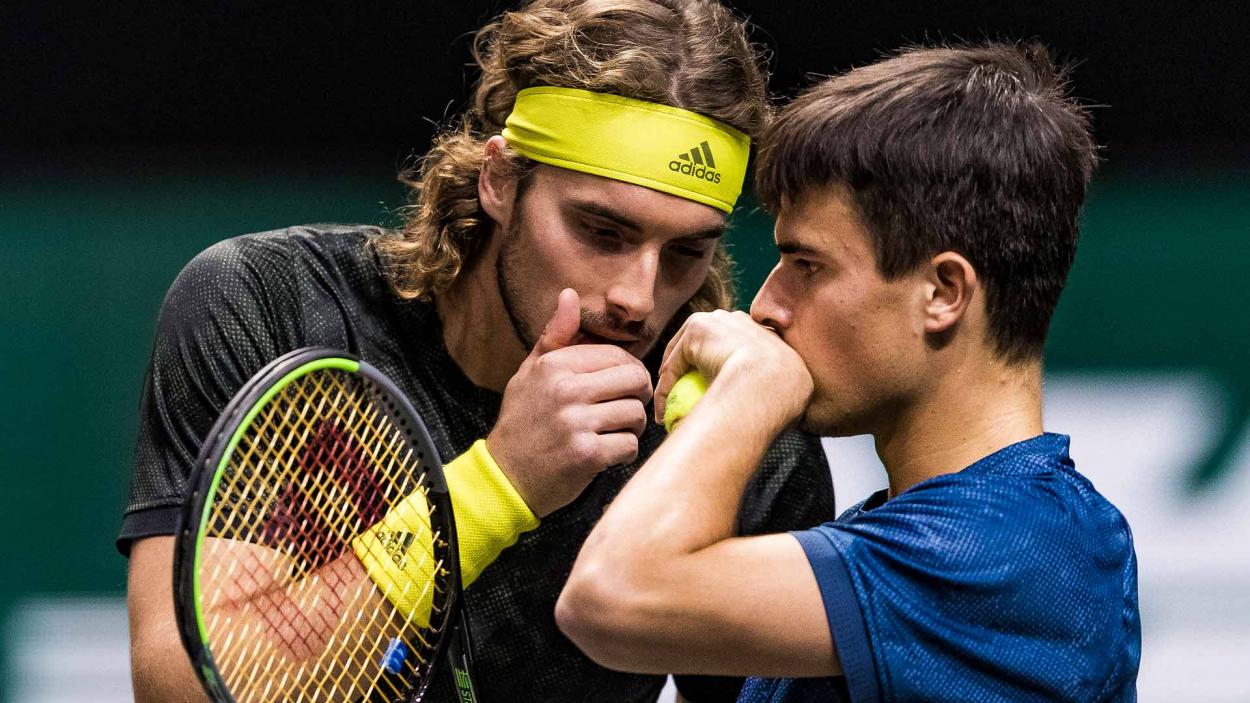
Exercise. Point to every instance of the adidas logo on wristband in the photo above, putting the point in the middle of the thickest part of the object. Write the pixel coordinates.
(396, 545)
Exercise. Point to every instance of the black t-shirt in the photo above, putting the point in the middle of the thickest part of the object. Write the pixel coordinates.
(245, 301)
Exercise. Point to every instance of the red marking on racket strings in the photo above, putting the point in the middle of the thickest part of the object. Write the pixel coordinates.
(332, 454)
(297, 527)
(305, 632)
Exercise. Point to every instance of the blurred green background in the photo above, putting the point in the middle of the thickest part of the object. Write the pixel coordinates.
(133, 136)
(1160, 283)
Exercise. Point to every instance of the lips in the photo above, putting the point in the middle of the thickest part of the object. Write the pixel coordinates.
(587, 337)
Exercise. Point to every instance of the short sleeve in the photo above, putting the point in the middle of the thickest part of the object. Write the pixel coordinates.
(973, 590)
(229, 312)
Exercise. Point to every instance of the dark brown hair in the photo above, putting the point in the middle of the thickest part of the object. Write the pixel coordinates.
(973, 149)
(692, 54)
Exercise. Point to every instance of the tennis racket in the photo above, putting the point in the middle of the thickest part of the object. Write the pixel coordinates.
(297, 486)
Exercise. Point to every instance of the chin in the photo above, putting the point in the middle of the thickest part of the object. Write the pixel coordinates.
(814, 422)
(827, 420)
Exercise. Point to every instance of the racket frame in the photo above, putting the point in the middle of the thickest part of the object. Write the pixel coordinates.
(210, 465)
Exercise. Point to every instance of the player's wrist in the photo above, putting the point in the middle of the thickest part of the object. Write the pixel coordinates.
(490, 515)
(760, 396)
(490, 512)
(506, 461)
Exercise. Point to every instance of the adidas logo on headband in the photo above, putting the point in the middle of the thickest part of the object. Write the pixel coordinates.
(697, 162)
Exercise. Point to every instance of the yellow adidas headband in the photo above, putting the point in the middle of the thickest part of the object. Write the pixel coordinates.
(657, 146)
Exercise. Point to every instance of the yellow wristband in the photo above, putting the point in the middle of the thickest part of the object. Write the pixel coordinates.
(397, 552)
(490, 514)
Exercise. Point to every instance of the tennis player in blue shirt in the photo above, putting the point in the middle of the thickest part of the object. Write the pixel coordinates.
(927, 216)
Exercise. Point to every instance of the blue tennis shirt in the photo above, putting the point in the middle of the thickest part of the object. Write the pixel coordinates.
(1012, 580)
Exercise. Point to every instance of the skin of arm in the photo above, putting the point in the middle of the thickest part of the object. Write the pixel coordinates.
(160, 668)
(662, 584)
(262, 619)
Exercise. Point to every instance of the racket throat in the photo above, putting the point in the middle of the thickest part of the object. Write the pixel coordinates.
(459, 656)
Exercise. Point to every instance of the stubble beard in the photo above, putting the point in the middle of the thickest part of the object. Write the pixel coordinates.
(516, 299)
(513, 297)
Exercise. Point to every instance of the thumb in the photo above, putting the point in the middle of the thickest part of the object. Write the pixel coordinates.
(562, 328)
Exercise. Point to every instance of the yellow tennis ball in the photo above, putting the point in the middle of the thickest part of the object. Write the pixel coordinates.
(681, 398)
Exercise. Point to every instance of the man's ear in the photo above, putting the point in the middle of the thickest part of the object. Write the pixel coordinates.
(952, 283)
(496, 182)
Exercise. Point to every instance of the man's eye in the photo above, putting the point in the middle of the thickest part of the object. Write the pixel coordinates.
(604, 238)
(807, 267)
(598, 232)
(692, 252)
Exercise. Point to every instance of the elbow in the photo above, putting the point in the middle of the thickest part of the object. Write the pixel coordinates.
(604, 616)
(580, 616)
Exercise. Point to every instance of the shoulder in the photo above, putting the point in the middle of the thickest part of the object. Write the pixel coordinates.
(275, 269)
(253, 297)
(992, 506)
(1042, 532)
(1032, 562)
(262, 256)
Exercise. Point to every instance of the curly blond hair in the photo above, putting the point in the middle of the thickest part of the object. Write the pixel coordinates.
(692, 54)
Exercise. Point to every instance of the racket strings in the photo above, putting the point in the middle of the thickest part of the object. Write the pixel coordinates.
(319, 464)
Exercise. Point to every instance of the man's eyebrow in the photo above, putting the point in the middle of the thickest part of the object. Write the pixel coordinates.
(711, 233)
(598, 210)
(790, 247)
(593, 208)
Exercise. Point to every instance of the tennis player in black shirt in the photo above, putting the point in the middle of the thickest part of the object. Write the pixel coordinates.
(560, 230)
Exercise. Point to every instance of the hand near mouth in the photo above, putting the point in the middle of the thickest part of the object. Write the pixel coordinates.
(575, 407)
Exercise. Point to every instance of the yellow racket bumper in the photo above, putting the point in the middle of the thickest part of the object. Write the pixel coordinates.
(490, 515)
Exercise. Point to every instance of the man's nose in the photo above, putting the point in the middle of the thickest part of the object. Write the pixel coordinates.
(632, 295)
(769, 308)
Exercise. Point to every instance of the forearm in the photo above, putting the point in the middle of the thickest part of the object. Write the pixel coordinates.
(662, 583)
(301, 626)
(159, 668)
(686, 496)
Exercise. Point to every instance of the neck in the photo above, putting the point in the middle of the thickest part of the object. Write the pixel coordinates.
(966, 417)
(476, 329)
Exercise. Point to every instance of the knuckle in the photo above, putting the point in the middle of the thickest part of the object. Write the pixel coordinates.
(566, 391)
(583, 450)
(640, 378)
(542, 365)
(639, 417)
(568, 419)
(623, 357)
(629, 450)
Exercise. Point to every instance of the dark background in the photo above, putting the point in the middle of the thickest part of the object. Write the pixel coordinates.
(297, 78)
(134, 134)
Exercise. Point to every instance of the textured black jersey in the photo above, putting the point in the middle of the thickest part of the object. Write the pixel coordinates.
(245, 301)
